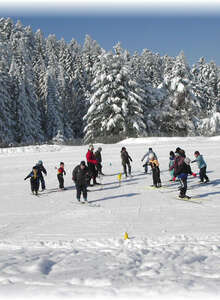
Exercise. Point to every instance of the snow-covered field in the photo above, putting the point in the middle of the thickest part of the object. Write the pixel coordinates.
(54, 248)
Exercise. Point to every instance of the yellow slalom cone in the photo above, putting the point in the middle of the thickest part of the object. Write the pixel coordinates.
(119, 178)
(126, 236)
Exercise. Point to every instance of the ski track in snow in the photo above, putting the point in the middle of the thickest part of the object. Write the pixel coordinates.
(50, 246)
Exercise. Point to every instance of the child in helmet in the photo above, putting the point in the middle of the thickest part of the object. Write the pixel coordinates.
(153, 162)
(34, 180)
(60, 173)
(40, 169)
(202, 167)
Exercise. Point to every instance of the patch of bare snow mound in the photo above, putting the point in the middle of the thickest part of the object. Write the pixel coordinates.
(177, 266)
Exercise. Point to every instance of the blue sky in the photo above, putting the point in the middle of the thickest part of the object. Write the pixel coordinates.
(197, 35)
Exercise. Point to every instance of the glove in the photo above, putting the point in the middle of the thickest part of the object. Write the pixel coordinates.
(174, 178)
(194, 174)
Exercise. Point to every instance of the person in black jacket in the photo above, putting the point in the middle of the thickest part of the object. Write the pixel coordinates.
(40, 170)
(80, 176)
(98, 157)
(125, 160)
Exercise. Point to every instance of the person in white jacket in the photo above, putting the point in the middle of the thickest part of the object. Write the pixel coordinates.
(146, 156)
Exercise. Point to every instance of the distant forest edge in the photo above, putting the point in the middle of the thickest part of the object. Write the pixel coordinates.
(52, 91)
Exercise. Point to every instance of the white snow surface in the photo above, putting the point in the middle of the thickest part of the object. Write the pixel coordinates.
(52, 247)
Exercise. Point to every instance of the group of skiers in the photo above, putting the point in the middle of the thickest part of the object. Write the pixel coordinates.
(179, 167)
(81, 174)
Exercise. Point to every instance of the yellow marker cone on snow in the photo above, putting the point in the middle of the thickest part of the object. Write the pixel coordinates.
(119, 177)
(126, 236)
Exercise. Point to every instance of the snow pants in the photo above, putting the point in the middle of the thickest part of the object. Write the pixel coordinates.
(183, 187)
(92, 172)
(41, 178)
(81, 189)
(34, 185)
(61, 181)
(125, 168)
(156, 177)
(202, 174)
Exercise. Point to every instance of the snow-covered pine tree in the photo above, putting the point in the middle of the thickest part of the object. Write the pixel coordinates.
(25, 110)
(115, 110)
(207, 82)
(179, 109)
(6, 116)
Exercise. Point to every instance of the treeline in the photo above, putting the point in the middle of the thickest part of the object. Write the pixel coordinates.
(59, 92)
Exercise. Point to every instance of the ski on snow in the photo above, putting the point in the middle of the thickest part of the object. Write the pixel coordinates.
(190, 199)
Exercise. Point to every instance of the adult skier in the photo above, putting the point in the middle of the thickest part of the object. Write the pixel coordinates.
(80, 176)
(92, 164)
(146, 155)
(125, 160)
(98, 157)
(202, 167)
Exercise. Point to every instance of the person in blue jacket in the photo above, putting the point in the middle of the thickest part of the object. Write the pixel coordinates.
(171, 163)
(202, 167)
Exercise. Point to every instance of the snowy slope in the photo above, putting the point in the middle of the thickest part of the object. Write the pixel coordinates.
(50, 246)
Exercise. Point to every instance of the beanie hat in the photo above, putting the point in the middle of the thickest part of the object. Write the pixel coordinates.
(99, 148)
(150, 149)
(40, 163)
(83, 163)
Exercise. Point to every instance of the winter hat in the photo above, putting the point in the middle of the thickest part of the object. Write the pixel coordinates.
(91, 147)
(40, 163)
(151, 156)
(100, 149)
(150, 149)
(178, 149)
(83, 163)
(172, 153)
(123, 148)
(187, 160)
(61, 163)
(196, 153)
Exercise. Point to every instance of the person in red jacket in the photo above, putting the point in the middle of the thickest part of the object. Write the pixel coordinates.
(92, 163)
(60, 173)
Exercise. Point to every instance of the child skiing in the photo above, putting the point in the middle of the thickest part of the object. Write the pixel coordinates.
(202, 167)
(34, 180)
(171, 163)
(146, 155)
(60, 173)
(40, 169)
(125, 159)
(182, 171)
(153, 162)
(80, 176)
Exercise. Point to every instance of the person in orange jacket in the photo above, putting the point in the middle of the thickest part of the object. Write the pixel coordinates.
(153, 162)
